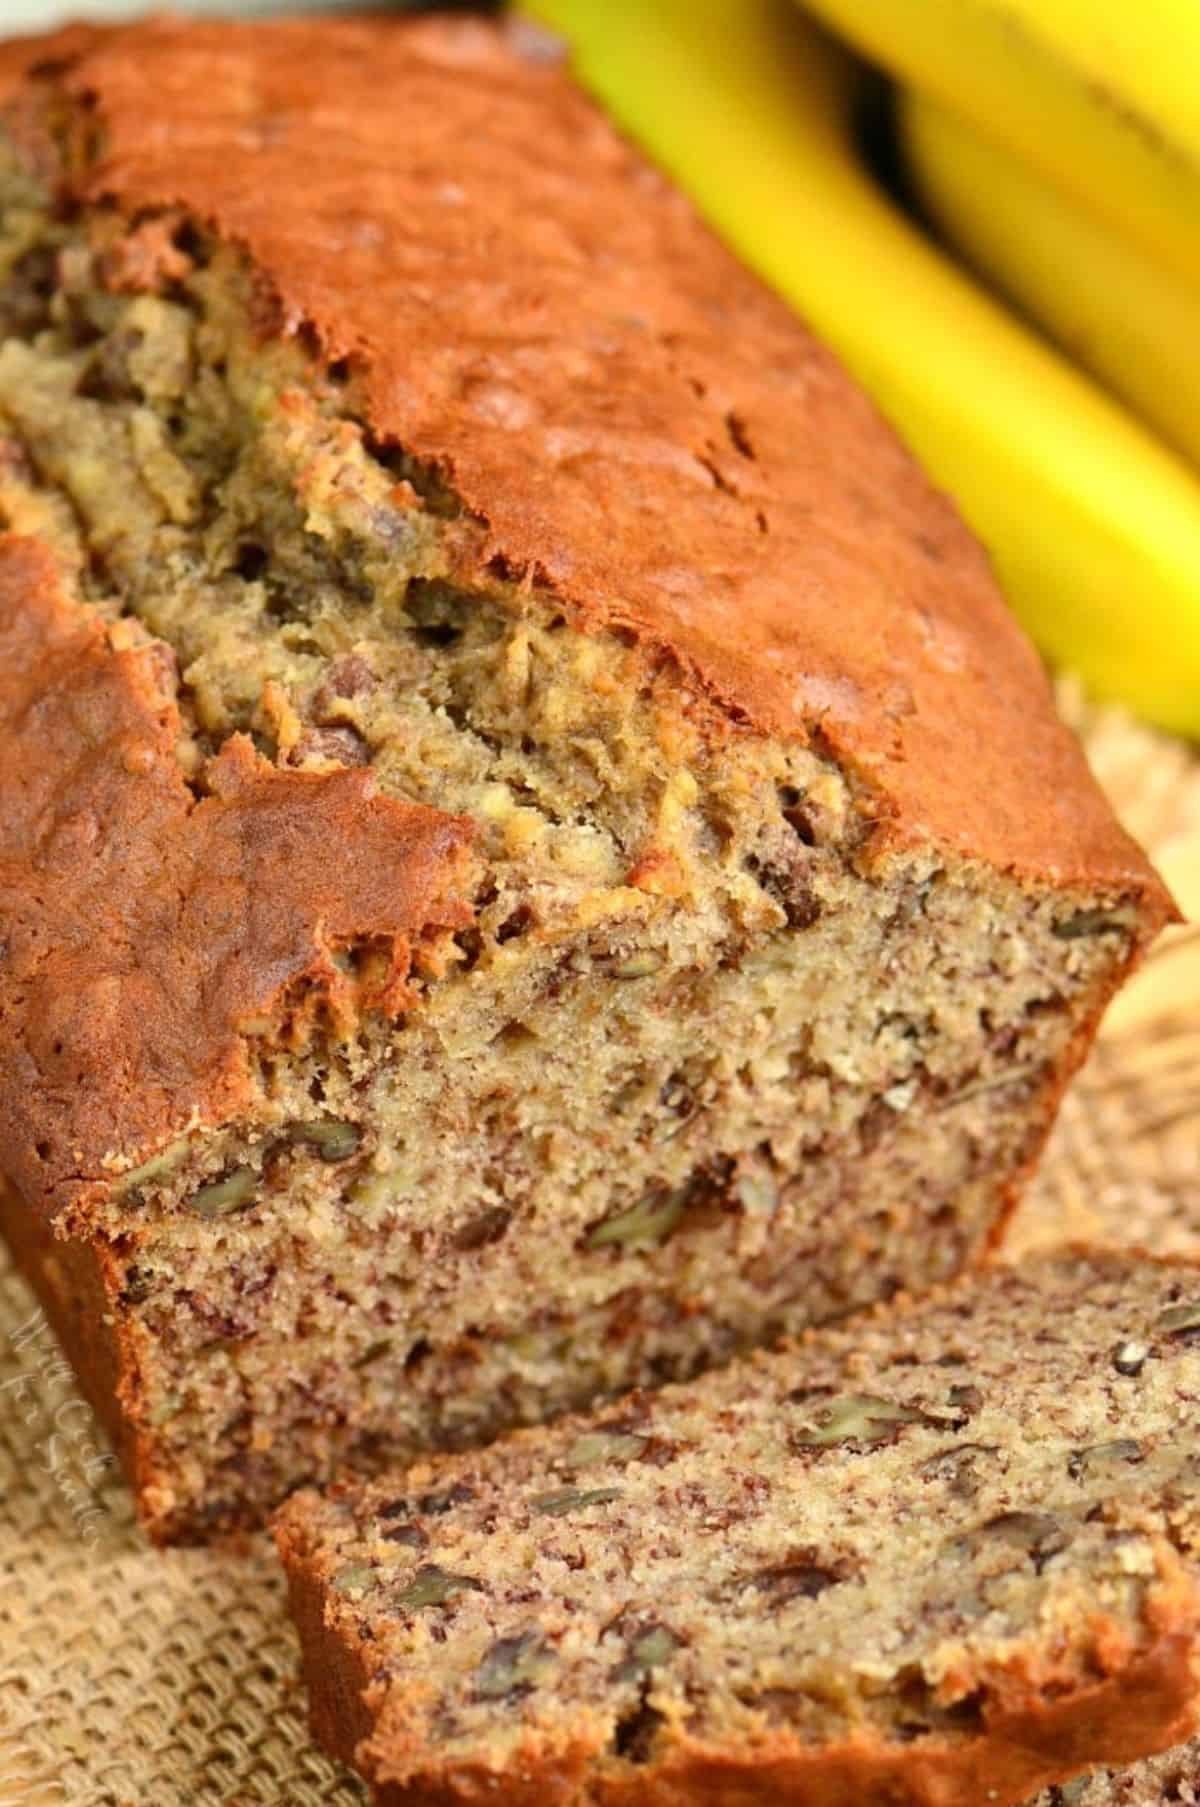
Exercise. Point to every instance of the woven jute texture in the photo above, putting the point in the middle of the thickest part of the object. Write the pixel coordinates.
(171, 1680)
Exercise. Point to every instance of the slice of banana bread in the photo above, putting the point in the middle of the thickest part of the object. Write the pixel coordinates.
(533, 855)
(941, 1557)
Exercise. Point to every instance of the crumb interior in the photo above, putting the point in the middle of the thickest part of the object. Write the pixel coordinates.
(1170, 1780)
(864, 1534)
(703, 1070)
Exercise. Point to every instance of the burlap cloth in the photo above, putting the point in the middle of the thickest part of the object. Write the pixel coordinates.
(170, 1680)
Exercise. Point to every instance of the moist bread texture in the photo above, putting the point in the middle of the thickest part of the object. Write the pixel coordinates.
(534, 856)
(1172, 1780)
(943, 1556)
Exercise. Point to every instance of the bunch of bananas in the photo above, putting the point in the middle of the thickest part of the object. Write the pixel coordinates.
(1056, 146)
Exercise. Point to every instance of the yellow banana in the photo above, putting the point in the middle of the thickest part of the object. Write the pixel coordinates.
(1101, 96)
(1127, 319)
(1094, 526)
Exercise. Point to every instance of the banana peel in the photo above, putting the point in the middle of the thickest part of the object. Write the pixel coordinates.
(1128, 320)
(1101, 96)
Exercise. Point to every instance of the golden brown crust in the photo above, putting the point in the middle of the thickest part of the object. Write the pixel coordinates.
(635, 423)
(1034, 1741)
(651, 436)
(641, 431)
(1051, 1097)
(44, 53)
(1030, 1738)
(337, 1705)
(77, 1281)
(150, 934)
(68, 1278)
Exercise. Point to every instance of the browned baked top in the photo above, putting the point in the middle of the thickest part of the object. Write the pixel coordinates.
(151, 937)
(638, 424)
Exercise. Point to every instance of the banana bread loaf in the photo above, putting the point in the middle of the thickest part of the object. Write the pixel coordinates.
(937, 1558)
(533, 855)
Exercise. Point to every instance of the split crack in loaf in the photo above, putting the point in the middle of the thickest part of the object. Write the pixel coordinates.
(534, 856)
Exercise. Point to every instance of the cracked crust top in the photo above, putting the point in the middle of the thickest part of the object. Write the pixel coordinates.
(150, 936)
(634, 426)
(638, 425)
